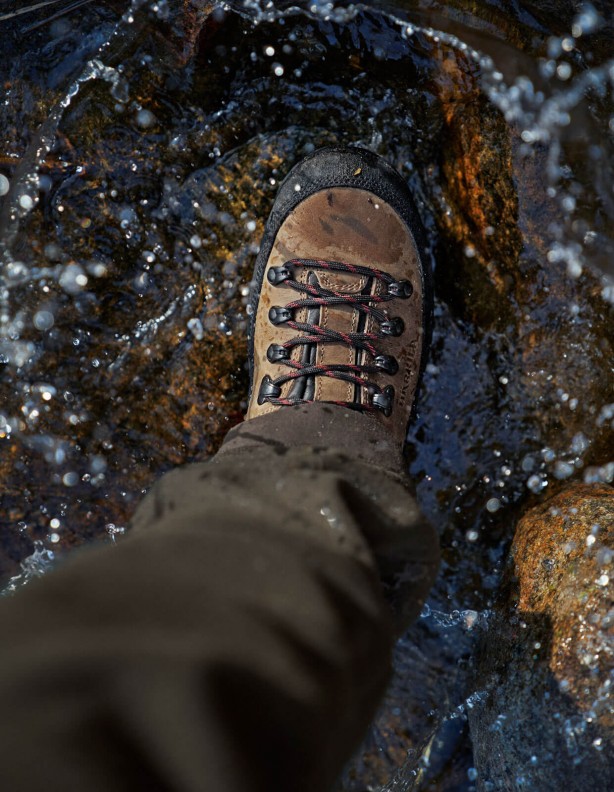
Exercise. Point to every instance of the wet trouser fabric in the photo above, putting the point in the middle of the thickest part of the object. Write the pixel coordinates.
(238, 639)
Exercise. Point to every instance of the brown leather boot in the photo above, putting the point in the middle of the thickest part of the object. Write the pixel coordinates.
(341, 309)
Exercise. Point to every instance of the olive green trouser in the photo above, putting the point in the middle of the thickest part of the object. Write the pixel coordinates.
(238, 639)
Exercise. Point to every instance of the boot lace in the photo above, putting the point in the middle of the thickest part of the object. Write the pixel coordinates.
(381, 399)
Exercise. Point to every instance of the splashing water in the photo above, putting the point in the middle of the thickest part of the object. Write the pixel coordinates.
(144, 149)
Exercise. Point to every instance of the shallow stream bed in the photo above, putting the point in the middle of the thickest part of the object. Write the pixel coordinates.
(143, 148)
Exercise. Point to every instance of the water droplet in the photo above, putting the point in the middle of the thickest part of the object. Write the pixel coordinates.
(4, 184)
(563, 470)
(587, 21)
(195, 326)
(145, 119)
(26, 202)
(70, 479)
(43, 320)
(73, 279)
(537, 483)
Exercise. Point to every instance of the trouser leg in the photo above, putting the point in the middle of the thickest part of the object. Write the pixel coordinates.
(237, 640)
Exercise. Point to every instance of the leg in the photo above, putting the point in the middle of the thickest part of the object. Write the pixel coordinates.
(237, 639)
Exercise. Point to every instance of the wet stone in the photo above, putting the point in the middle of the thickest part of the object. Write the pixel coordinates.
(546, 659)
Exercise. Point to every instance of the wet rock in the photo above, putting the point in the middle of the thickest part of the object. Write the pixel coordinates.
(548, 722)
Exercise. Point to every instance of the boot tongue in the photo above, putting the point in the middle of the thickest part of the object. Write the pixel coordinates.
(341, 319)
(304, 387)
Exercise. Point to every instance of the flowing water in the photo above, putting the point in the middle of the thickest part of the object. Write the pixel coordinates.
(144, 143)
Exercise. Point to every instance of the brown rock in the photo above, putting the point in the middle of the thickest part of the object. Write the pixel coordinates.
(546, 660)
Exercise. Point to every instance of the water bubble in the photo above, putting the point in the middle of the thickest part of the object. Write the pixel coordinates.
(472, 774)
(537, 483)
(471, 536)
(563, 71)
(548, 454)
(563, 470)
(4, 185)
(587, 21)
(331, 518)
(73, 279)
(603, 580)
(43, 320)
(120, 90)
(145, 119)
(195, 326)
(26, 202)
(98, 464)
(493, 505)
(278, 70)
(269, 51)
(114, 530)
(470, 618)
(70, 479)
(16, 271)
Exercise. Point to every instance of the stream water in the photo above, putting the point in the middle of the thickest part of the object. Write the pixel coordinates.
(143, 147)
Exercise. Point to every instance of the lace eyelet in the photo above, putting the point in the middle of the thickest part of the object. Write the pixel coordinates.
(268, 390)
(387, 364)
(393, 326)
(278, 315)
(402, 289)
(383, 400)
(277, 275)
(276, 352)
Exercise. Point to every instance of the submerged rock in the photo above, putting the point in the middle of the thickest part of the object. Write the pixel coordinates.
(547, 659)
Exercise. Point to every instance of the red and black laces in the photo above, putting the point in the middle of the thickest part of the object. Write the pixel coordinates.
(369, 360)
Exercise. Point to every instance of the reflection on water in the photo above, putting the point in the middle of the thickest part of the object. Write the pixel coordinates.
(145, 145)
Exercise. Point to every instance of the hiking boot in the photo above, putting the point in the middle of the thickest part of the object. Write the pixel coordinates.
(342, 297)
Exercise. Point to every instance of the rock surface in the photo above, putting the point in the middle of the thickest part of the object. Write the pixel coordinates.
(547, 659)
